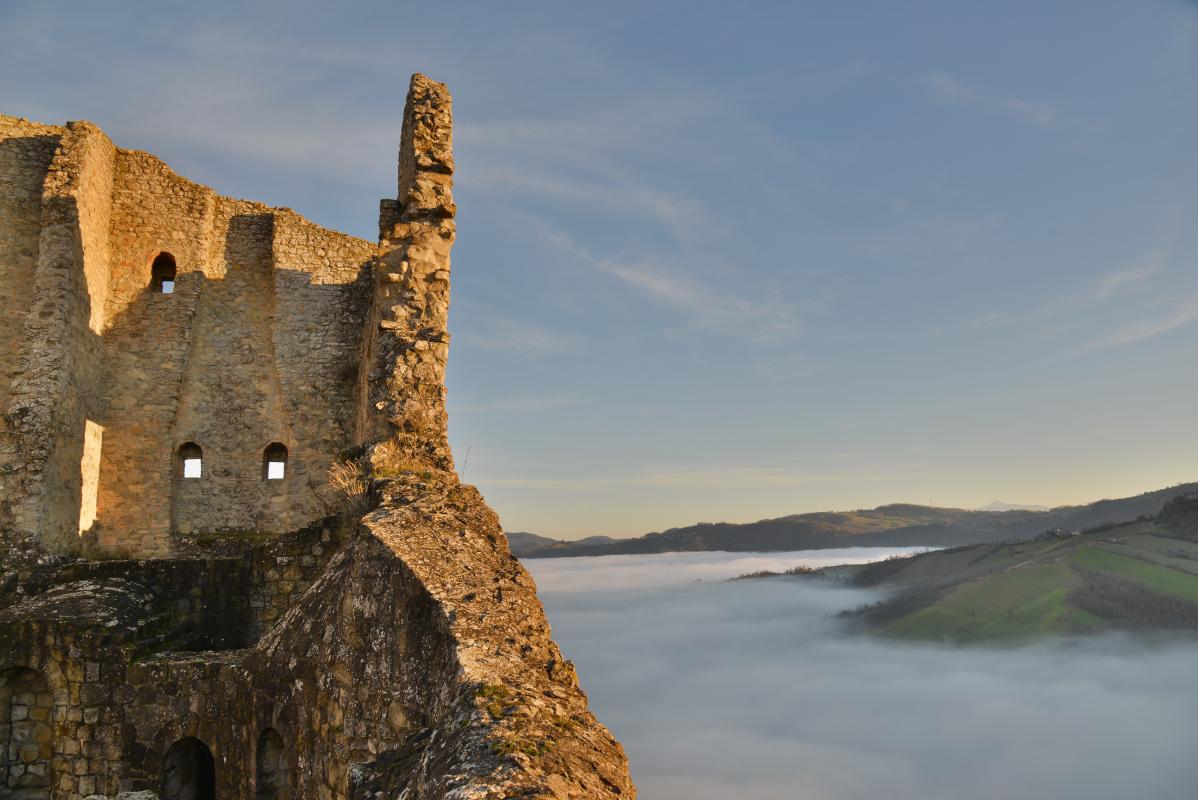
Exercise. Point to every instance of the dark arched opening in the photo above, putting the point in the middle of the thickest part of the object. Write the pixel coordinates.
(26, 738)
(274, 462)
(274, 776)
(162, 274)
(189, 771)
(190, 460)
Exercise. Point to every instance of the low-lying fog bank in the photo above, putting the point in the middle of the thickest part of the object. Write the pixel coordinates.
(747, 689)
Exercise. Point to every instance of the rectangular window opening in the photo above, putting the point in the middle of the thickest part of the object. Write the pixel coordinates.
(275, 470)
(168, 287)
(191, 467)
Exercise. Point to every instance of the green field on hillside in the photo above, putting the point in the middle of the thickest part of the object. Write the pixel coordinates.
(1156, 576)
(1024, 602)
(1138, 576)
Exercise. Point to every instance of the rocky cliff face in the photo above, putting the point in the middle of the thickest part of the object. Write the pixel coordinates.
(362, 630)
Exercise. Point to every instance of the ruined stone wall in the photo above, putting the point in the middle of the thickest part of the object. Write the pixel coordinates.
(26, 704)
(259, 343)
(53, 391)
(136, 655)
(395, 649)
(411, 654)
(356, 692)
(58, 638)
(231, 403)
(146, 343)
(513, 721)
(26, 150)
(277, 331)
(255, 346)
(321, 288)
(76, 207)
(277, 569)
(403, 381)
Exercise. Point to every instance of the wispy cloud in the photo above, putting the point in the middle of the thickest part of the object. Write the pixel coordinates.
(1110, 285)
(1065, 310)
(1127, 291)
(1114, 283)
(608, 155)
(1159, 315)
(1157, 324)
(951, 90)
(594, 160)
(762, 321)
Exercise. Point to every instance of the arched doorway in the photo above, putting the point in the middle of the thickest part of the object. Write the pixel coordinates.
(274, 775)
(189, 772)
(25, 734)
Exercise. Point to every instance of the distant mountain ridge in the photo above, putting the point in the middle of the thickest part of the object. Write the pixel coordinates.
(895, 525)
(522, 542)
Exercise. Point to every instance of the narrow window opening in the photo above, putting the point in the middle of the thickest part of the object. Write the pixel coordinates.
(274, 462)
(162, 274)
(191, 460)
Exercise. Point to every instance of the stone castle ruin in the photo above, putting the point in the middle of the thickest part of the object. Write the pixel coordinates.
(235, 559)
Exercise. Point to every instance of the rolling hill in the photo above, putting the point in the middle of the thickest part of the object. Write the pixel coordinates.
(896, 525)
(1141, 575)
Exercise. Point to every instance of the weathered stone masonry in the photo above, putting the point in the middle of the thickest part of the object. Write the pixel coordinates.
(189, 604)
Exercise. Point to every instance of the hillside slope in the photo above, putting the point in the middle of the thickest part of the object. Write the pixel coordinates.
(896, 525)
(1139, 576)
(524, 544)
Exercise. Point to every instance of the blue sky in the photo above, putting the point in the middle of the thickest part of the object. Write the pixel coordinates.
(727, 263)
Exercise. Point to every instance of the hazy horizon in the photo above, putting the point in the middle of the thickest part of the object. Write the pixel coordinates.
(721, 263)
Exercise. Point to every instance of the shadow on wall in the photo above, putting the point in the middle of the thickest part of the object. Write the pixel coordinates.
(247, 372)
(21, 209)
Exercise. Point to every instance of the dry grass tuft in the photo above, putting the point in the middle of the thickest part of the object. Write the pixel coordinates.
(348, 481)
(347, 478)
(389, 459)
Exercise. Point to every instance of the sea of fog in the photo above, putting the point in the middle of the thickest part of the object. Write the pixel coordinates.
(750, 689)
